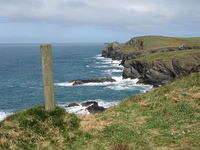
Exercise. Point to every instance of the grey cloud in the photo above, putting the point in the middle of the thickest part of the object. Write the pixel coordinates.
(74, 3)
(116, 14)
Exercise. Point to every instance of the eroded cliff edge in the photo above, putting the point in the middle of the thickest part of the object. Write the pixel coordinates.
(161, 71)
(156, 60)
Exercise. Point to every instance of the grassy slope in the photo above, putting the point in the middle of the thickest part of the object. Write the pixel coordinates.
(166, 118)
(159, 42)
(166, 55)
(184, 55)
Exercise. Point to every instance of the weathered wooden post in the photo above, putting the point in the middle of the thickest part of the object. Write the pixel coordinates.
(47, 73)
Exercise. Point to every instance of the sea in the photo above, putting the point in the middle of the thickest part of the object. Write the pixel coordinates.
(21, 84)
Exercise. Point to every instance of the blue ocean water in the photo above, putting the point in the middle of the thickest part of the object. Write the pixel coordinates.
(21, 78)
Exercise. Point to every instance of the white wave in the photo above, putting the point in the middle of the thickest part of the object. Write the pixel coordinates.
(116, 61)
(120, 84)
(98, 56)
(31, 87)
(105, 59)
(118, 78)
(106, 104)
(108, 65)
(85, 84)
(102, 63)
(64, 84)
(117, 70)
(3, 115)
(113, 70)
(144, 91)
(97, 84)
(82, 110)
(106, 62)
(103, 66)
(77, 110)
(128, 84)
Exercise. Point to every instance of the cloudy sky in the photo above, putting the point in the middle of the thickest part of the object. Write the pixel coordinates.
(96, 21)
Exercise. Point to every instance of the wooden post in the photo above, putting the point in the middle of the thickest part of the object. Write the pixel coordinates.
(47, 73)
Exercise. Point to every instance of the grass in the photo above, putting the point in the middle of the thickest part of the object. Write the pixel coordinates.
(35, 128)
(165, 118)
(166, 55)
(159, 42)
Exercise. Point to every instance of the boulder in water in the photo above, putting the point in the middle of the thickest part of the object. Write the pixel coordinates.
(97, 80)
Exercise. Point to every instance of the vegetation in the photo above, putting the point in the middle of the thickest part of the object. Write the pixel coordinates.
(35, 128)
(165, 118)
(166, 55)
(146, 43)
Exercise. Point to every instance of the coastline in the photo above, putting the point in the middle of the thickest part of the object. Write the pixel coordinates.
(153, 63)
(105, 66)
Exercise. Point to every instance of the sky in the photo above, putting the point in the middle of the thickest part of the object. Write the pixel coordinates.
(96, 21)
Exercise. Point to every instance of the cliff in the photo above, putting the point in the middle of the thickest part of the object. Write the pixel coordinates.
(141, 46)
(156, 60)
(161, 71)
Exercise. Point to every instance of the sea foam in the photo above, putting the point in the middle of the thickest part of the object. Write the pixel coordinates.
(3, 115)
(82, 110)
(109, 67)
(113, 67)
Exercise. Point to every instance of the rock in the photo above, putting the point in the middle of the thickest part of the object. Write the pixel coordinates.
(85, 104)
(97, 80)
(155, 72)
(78, 82)
(91, 106)
(73, 104)
(130, 72)
(113, 50)
(95, 109)
(158, 72)
(135, 47)
(107, 52)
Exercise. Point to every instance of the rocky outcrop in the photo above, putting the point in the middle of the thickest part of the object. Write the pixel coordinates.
(120, 55)
(113, 51)
(97, 80)
(134, 48)
(72, 105)
(92, 107)
(159, 72)
(110, 48)
(89, 103)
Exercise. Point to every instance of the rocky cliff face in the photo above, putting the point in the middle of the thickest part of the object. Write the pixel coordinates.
(161, 71)
(158, 71)
(113, 50)
(138, 47)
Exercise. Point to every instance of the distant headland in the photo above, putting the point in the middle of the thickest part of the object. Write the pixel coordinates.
(156, 60)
